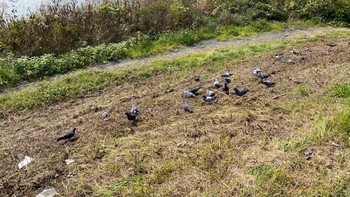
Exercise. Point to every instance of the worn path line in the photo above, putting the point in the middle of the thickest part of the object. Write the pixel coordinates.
(211, 45)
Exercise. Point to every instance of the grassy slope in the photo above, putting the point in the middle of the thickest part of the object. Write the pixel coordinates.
(237, 146)
(16, 70)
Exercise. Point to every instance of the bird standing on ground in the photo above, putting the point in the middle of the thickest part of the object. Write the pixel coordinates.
(131, 116)
(332, 44)
(226, 89)
(263, 75)
(240, 92)
(194, 90)
(197, 78)
(256, 71)
(210, 92)
(268, 83)
(189, 94)
(278, 56)
(216, 83)
(68, 135)
(134, 109)
(228, 80)
(209, 99)
(185, 106)
(226, 75)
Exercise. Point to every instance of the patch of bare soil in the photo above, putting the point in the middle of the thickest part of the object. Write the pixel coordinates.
(251, 121)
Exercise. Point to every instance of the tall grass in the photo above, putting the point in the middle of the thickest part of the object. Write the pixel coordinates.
(60, 28)
(14, 70)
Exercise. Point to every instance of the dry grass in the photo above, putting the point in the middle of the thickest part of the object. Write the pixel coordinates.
(249, 146)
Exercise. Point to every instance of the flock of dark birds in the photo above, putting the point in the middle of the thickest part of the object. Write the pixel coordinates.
(210, 94)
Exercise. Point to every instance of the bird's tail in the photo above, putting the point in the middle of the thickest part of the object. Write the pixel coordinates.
(60, 138)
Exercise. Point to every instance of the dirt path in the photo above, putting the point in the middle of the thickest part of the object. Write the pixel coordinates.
(211, 45)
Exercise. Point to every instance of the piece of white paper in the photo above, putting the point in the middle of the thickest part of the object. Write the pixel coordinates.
(47, 193)
(25, 162)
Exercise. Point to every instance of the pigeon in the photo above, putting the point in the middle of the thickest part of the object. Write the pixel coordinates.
(256, 71)
(240, 92)
(197, 78)
(189, 94)
(195, 90)
(263, 76)
(278, 56)
(134, 109)
(228, 80)
(68, 135)
(295, 52)
(332, 44)
(184, 105)
(209, 99)
(289, 61)
(226, 89)
(301, 58)
(217, 83)
(131, 116)
(210, 92)
(226, 75)
(268, 83)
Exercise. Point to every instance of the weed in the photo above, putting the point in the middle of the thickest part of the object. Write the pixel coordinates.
(342, 91)
(303, 90)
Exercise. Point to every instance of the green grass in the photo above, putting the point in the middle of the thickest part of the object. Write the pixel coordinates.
(337, 128)
(2, 152)
(118, 186)
(271, 180)
(89, 81)
(342, 91)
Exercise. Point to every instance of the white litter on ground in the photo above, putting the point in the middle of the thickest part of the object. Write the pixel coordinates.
(47, 193)
(25, 162)
(69, 161)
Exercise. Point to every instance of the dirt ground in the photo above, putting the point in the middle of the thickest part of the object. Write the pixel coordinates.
(253, 122)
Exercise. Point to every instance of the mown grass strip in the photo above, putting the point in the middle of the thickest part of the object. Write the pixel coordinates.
(90, 81)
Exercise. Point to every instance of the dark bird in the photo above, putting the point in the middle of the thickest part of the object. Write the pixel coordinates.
(210, 92)
(134, 109)
(131, 116)
(256, 71)
(209, 99)
(197, 78)
(225, 88)
(268, 83)
(263, 76)
(228, 80)
(68, 135)
(216, 83)
(332, 44)
(185, 106)
(226, 75)
(195, 90)
(189, 94)
(240, 92)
